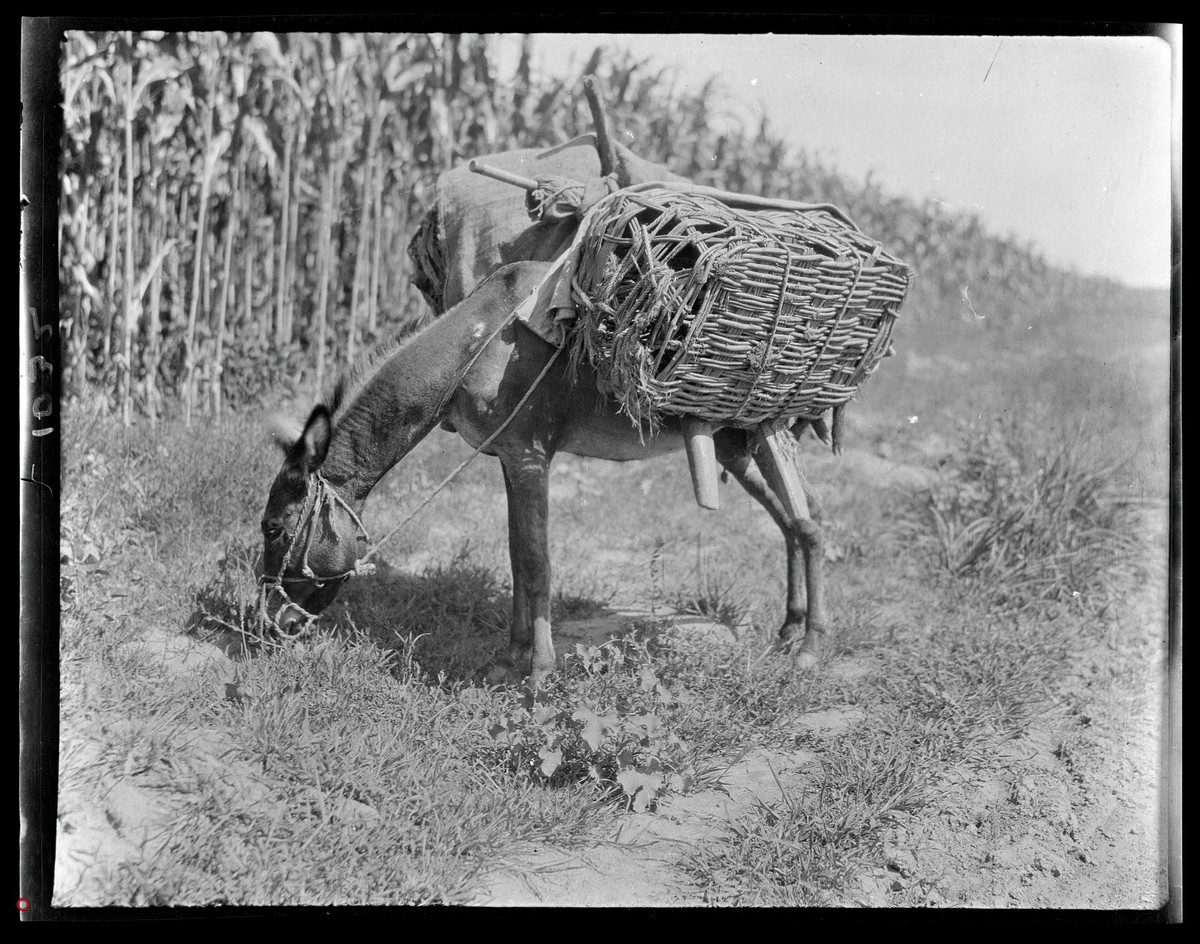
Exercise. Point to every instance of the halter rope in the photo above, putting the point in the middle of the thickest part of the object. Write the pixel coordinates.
(320, 495)
(467, 461)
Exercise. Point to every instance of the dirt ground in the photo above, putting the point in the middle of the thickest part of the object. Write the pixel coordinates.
(1083, 833)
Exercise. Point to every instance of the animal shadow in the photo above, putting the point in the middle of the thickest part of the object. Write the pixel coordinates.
(452, 619)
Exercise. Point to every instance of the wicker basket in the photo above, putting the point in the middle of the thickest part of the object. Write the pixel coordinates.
(688, 306)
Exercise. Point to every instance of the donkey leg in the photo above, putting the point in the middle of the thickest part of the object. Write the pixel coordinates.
(530, 647)
(805, 611)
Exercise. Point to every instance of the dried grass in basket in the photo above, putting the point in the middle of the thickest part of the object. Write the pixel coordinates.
(688, 306)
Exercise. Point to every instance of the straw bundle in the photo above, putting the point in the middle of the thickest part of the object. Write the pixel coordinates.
(688, 306)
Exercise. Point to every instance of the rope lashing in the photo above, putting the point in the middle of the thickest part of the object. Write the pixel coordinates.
(304, 619)
(467, 461)
(321, 496)
(561, 198)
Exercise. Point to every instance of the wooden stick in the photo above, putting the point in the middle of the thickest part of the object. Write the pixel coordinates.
(839, 427)
(528, 183)
(774, 455)
(604, 145)
(702, 460)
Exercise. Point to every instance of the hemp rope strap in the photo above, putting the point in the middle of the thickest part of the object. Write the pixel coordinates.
(362, 566)
(467, 461)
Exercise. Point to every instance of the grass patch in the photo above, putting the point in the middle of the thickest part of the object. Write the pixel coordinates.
(936, 715)
(1030, 517)
(806, 849)
(176, 490)
(343, 776)
(715, 591)
(453, 615)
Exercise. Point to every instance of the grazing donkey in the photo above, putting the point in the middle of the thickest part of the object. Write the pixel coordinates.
(473, 370)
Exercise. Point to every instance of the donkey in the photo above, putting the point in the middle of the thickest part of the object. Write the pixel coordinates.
(470, 371)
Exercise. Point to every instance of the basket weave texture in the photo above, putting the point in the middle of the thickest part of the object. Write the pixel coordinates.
(688, 306)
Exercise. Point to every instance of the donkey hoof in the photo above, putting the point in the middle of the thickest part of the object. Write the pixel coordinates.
(803, 648)
(501, 672)
(808, 652)
(791, 632)
(807, 662)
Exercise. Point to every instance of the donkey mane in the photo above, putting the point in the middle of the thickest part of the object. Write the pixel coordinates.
(351, 380)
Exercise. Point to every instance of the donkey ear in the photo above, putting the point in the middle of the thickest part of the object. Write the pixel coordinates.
(313, 445)
(284, 431)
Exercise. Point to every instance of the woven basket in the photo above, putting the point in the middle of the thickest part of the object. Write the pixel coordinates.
(688, 306)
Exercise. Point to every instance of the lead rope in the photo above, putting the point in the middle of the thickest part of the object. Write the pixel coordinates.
(363, 561)
(325, 493)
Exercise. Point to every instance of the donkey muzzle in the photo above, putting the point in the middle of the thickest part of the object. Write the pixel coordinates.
(283, 614)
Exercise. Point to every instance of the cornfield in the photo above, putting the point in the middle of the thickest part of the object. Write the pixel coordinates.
(235, 207)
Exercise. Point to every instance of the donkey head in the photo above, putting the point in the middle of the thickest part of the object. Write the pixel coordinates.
(312, 539)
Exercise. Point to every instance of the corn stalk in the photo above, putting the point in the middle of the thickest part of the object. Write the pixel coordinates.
(141, 171)
(223, 299)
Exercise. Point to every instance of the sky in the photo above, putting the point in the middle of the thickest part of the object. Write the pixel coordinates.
(1062, 141)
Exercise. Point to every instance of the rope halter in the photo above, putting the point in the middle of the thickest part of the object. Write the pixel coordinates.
(319, 499)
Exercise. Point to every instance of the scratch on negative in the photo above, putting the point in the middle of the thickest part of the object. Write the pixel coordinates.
(993, 62)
